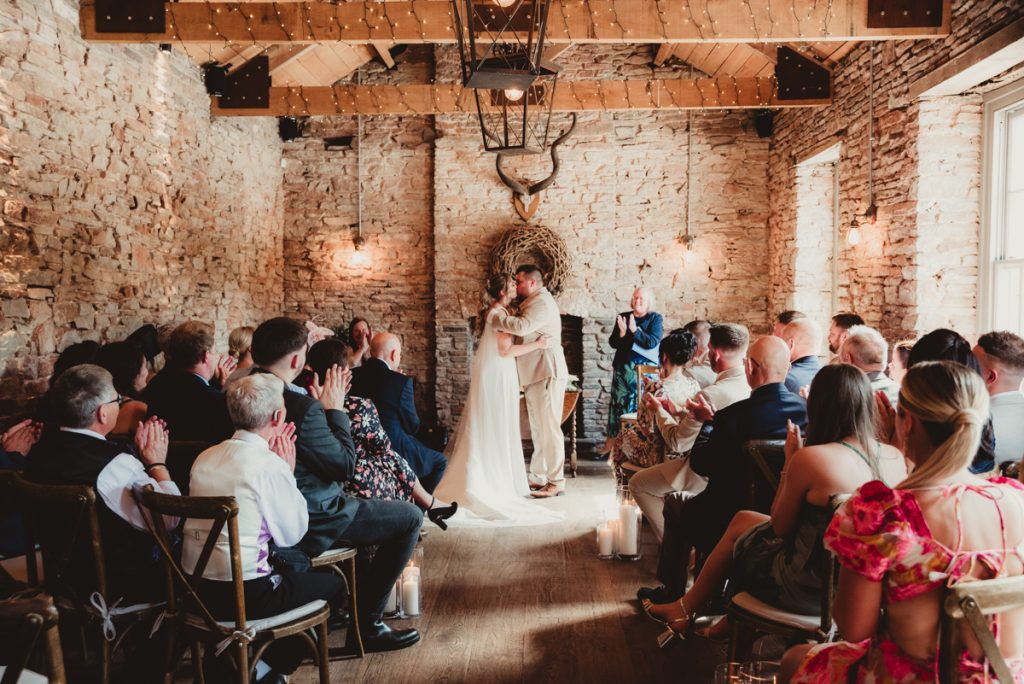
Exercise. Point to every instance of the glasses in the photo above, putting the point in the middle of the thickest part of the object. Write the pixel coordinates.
(120, 401)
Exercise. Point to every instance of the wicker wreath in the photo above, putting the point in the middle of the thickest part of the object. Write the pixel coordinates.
(533, 245)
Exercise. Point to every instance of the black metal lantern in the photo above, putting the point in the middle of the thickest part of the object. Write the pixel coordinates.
(516, 121)
(501, 42)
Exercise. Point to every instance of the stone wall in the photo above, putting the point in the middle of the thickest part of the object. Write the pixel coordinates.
(915, 268)
(123, 202)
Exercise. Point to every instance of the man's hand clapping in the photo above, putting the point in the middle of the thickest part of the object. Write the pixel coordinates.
(283, 444)
(336, 384)
(22, 437)
(151, 439)
(225, 367)
(703, 409)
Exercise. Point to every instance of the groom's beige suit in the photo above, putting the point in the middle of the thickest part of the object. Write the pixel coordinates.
(543, 376)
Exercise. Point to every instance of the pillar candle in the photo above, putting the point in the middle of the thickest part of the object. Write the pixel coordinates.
(411, 595)
(627, 530)
(605, 540)
(392, 605)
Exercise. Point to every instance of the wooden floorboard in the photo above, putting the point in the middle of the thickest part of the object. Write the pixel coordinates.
(532, 604)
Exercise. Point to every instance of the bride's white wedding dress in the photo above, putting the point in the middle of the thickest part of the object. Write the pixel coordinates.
(486, 471)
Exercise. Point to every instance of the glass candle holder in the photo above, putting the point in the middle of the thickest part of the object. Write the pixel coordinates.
(759, 672)
(393, 607)
(412, 585)
(629, 526)
(606, 531)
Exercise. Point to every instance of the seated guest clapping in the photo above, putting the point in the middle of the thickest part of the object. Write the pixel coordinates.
(778, 558)
(380, 380)
(380, 473)
(186, 393)
(85, 407)
(255, 466)
(901, 547)
(680, 427)
(129, 368)
(15, 444)
(700, 521)
(866, 349)
(325, 460)
(642, 443)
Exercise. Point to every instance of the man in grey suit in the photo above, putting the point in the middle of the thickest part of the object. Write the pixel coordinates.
(543, 376)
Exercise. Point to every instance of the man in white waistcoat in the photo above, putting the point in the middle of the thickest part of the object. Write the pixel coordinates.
(543, 376)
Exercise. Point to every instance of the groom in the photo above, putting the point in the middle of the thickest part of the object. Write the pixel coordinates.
(543, 375)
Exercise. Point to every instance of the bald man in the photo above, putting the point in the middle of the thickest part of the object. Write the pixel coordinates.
(803, 338)
(701, 521)
(380, 380)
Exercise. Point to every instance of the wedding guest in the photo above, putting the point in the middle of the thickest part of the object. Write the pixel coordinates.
(1001, 357)
(186, 393)
(240, 349)
(866, 349)
(698, 367)
(72, 355)
(700, 521)
(635, 338)
(85, 408)
(255, 466)
(380, 380)
(840, 327)
(783, 319)
(778, 558)
(642, 443)
(900, 357)
(380, 472)
(900, 548)
(147, 339)
(359, 335)
(325, 460)
(15, 444)
(129, 368)
(803, 337)
(679, 427)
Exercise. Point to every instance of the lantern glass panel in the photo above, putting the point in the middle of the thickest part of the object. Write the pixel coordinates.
(517, 125)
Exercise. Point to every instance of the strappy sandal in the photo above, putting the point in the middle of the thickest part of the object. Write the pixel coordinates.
(674, 634)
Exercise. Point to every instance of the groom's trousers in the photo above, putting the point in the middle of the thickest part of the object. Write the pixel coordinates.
(544, 402)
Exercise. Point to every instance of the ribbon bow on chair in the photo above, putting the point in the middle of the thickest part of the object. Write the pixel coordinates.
(244, 635)
(100, 604)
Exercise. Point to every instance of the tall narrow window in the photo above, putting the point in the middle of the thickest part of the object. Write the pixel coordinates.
(815, 245)
(1003, 227)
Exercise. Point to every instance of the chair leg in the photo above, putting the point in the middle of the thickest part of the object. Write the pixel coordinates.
(244, 675)
(197, 662)
(55, 656)
(104, 659)
(355, 606)
(323, 656)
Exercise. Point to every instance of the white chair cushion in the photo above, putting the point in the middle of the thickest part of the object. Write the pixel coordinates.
(267, 622)
(26, 676)
(765, 611)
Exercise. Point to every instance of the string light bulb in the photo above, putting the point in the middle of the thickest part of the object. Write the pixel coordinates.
(853, 235)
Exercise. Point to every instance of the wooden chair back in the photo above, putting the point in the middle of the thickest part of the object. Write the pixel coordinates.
(181, 455)
(63, 519)
(22, 622)
(972, 602)
(764, 478)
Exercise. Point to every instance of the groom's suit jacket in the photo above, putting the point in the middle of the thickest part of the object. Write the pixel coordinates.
(538, 316)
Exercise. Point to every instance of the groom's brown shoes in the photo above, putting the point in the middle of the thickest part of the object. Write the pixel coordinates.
(547, 491)
(534, 486)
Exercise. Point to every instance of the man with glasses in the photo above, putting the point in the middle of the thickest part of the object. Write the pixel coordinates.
(85, 406)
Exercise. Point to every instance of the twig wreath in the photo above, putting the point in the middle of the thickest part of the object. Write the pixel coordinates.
(533, 245)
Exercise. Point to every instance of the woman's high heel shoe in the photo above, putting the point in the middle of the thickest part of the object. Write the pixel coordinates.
(439, 515)
(674, 634)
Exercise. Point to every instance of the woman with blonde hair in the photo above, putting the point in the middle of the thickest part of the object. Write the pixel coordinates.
(901, 547)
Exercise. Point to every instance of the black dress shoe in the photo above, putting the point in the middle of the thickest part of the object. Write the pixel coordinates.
(339, 618)
(379, 637)
(658, 594)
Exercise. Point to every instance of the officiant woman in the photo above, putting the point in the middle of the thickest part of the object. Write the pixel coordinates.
(635, 337)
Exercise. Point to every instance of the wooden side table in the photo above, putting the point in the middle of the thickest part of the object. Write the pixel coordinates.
(569, 404)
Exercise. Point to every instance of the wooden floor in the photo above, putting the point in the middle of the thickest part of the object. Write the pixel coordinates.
(533, 604)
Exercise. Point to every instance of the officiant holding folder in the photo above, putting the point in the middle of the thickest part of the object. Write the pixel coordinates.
(635, 338)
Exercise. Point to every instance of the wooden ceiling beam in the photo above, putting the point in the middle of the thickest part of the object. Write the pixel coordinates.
(570, 21)
(570, 96)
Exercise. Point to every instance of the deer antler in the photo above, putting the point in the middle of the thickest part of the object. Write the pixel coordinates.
(521, 189)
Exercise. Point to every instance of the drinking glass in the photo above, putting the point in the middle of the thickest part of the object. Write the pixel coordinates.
(759, 672)
(728, 673)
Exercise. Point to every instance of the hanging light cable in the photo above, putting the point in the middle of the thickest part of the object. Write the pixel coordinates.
(358, 241)
(686, 238)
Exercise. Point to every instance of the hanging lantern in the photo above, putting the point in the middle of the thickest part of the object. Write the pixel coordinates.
(517, 122)
(501, 43)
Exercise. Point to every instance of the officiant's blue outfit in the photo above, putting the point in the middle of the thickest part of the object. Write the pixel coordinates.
(631, 349)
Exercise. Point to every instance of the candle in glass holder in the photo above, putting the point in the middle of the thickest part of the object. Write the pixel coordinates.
(411, 591)
(391, 606)
(628, 530)
(605, 540)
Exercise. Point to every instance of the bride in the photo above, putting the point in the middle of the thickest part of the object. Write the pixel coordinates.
(486, 470)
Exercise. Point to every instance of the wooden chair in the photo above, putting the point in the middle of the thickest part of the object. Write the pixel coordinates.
(971, 602)
(749, 615)
(64, 519)
(332, 560)
(192, 617)
(764, 480)
(28, 628)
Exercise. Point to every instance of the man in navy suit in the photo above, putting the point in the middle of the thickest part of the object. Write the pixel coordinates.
(187, 393)
(803, 337)
(701, 521)
(379, 380)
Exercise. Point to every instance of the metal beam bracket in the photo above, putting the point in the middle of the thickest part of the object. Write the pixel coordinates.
(896, 14)
(799, 77)
(248, 86)
(130, 16)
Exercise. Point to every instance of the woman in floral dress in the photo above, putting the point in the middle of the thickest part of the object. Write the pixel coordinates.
(901, 547)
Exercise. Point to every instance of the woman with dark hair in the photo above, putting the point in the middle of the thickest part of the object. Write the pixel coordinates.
(778, 558)
(72, 355)
(642, 443)
(381, 472)
(129, 367)
(359, 335)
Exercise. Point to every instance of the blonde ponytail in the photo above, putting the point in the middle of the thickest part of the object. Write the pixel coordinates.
(952, 404)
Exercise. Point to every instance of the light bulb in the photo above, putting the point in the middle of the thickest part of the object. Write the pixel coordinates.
(853, 236)
(504, 3)
(513, 94)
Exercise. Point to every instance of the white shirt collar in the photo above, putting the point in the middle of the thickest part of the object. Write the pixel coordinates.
(1012, 394)
(250, 437)
(83, 431)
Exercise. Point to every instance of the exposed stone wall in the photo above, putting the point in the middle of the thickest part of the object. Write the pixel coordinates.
(123, 202)
(916, 267)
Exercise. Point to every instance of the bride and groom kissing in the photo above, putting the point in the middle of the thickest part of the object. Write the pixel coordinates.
(486, 470)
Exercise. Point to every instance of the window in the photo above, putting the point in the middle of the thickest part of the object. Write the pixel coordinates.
(815, 258)
(1003, 219)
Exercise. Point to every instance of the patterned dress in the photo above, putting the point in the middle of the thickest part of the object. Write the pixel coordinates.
(882, 535)
(381, 473)
(642, 442)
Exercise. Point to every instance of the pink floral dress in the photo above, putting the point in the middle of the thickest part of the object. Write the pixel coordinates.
(882, 535)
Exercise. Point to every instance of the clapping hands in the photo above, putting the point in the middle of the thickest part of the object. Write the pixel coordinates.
(151, 439)
(336, 384)
(701, 408)
(226, 365)
(22, 437)
(794, 439)
(886, 419)
(283, 444)
(623, 323)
